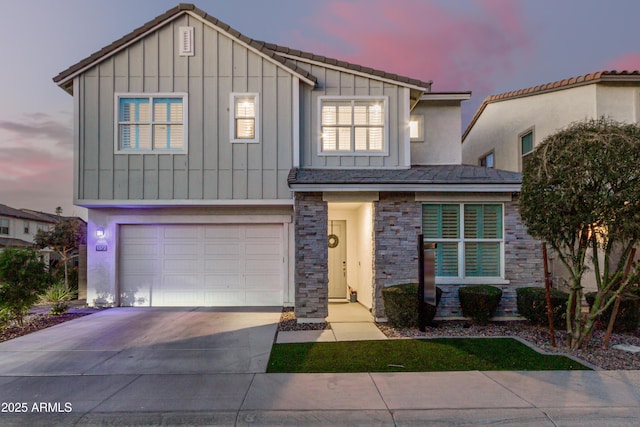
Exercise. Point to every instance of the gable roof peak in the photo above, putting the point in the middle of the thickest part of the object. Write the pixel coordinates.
(65, 78)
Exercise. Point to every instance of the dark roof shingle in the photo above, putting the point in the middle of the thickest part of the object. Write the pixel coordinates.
(416, 175)
(17, 213)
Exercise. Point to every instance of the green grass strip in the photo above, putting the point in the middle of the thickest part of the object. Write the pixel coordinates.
(414, 355)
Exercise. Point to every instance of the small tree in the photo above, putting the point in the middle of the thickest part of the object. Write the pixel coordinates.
(581, 194)
(64, 238)
(22, 278)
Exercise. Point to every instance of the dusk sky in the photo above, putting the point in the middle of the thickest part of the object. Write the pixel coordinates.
(483, 46)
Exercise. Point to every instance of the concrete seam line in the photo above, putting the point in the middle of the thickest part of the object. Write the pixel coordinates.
(90, 411)
(548, 417)
(244, 398)
(382, 398)
(506, 388)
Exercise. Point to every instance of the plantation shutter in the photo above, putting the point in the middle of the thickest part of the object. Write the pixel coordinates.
(442, 222)
(482, 259)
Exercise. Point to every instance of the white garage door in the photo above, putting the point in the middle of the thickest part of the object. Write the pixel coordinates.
(201, 265)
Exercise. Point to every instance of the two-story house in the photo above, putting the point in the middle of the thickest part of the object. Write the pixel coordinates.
(220, 170)
(19, 227)
(507, 127)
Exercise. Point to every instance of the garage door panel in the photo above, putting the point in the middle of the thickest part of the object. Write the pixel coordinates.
(227, 232)
(182, 232)
(149, 250)
(180, 250)
(181, 265)
(196, 265)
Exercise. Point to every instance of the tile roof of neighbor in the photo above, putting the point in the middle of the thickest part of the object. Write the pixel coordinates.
(597, 77)
(268, 49)
(17, 213)
(10, 242)
(436, 174)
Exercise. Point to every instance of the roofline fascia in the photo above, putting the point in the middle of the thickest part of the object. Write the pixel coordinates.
(445, 96)
(181, 203)
(76, 73)
(432, 187)
(601, 79)
(350, 71)
(257, 51)
(63, 82)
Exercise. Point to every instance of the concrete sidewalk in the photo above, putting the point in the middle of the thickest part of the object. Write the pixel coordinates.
(205, 366)
(550, 398)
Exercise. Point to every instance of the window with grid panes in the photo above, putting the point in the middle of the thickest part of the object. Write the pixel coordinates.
(151, 123)
(468, 245)
(353, 126)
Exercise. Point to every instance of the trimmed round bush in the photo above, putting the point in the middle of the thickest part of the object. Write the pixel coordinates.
(628, 316)
(479, 302)
(532, 305)
(401, 305)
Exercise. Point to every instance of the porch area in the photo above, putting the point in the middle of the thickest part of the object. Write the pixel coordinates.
(349, 322)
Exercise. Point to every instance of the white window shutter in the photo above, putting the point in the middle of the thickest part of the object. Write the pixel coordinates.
(186, 41)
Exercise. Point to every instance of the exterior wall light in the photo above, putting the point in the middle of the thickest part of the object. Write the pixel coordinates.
(100, 233)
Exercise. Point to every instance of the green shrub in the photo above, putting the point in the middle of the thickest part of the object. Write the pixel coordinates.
(479, 302)
(22, 277)
(401, 305)
(58, 294)
(532, 305)
(5, 318)
(628, 316)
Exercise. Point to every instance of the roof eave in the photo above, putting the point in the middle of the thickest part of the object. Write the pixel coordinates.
(433, 187)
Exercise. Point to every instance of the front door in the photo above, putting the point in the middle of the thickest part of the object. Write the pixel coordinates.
(337, 241)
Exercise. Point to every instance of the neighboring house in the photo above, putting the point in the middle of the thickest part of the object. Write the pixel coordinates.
(79, 262)
(507, 127)
(18, 228)
(220, 170)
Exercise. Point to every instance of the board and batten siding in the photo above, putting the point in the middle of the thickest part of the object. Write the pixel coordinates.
(213, 168)
(332, 82)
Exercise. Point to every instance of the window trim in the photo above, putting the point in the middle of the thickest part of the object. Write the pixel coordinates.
(352, 153)
(490, 153)
(151, 96)
(461, 278)
(8, 227)
(521, 135)
(232, 118)
(420, 119)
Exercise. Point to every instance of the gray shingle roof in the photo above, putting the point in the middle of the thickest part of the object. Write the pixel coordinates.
(270, 50)
(16, 213)
(416, 175)
(62, 78)
(10, 242)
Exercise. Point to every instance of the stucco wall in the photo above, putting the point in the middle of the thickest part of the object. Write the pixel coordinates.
(442, 133)
(501, 123)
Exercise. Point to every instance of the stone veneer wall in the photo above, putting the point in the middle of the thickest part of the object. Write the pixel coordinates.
(523, 267)
(397, 219)
(311, 270)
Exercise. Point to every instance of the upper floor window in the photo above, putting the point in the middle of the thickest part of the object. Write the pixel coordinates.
(151, 122)
(487, 161)
(353, 126)
(4, 226)
(416, 128)
(526, 145)
(469, 237)
(25, 225)
(245, 118)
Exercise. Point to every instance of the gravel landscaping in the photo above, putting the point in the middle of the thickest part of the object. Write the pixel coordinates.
(609, 358)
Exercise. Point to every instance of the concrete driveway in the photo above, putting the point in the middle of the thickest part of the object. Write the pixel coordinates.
(121, 341)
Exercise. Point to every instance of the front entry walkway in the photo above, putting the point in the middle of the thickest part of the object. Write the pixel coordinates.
(349, 322)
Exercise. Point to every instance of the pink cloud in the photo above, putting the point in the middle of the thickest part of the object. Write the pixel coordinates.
(456, 48)
(628, 61)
